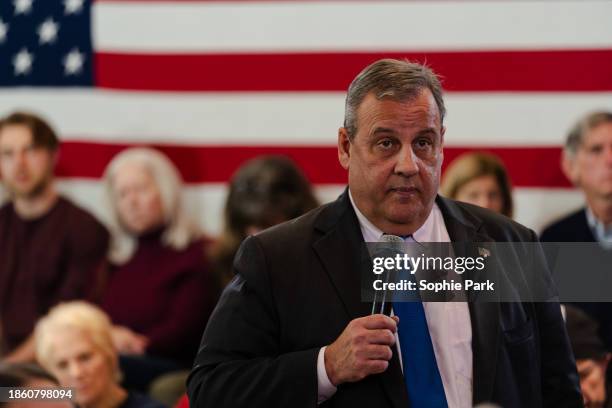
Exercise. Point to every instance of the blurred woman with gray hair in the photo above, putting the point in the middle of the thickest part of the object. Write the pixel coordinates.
(160, 292)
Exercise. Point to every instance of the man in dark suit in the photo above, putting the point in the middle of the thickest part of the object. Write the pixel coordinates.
(587, 162)
(291, 329)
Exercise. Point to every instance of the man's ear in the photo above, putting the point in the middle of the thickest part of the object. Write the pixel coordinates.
(569, 167)
(442, 132)
(344, 148)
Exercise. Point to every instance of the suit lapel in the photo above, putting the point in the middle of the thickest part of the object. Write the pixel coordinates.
(485, 316)
(343, 254)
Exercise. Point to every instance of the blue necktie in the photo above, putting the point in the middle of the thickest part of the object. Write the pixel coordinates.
(421, 374)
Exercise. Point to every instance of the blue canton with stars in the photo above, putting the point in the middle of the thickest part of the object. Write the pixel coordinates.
(45, 43)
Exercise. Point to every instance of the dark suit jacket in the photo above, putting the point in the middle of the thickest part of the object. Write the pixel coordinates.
(296, 289)
(573, 228)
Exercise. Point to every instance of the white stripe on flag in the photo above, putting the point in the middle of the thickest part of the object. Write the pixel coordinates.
(494, 119)
(224, 27)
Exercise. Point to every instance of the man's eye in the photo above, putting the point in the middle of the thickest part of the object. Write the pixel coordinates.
(423, 143)
(386, 143)
(596, 149)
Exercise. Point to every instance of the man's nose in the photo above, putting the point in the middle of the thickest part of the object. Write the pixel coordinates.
(20, 159)
(608, 155)
(406, 163)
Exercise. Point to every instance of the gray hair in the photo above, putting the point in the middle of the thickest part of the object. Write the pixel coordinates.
(399, 80)
(180, 230)
(587, 123)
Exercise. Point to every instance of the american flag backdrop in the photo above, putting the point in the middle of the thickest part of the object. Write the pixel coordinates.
(213, 83)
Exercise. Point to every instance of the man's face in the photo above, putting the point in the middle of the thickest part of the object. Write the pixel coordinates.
(394, 161)
(25, 169)
(591, 168)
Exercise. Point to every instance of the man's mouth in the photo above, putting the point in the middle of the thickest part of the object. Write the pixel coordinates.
(404, 190)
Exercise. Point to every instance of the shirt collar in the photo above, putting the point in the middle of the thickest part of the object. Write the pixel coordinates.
(602, 232)
(426, 233)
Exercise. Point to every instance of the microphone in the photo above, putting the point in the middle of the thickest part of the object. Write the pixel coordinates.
(389, 247)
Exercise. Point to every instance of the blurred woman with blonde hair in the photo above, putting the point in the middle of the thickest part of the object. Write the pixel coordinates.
(480, 179)
(74, 343)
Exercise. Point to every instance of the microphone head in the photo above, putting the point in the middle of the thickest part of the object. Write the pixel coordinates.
(389, 246)
(391, 238)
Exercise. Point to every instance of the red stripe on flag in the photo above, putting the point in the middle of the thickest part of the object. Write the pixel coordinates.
(473, 71)
(528, 167)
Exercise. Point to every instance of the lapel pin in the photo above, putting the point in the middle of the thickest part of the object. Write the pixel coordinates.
(484, 252)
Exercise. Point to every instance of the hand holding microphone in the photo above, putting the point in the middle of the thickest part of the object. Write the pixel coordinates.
(363, 348)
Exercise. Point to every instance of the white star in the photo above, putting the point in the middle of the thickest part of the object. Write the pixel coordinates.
(22, 6)
(73, 6)
(47, 31)
(73, 62)
(3, 30)
(22, 62)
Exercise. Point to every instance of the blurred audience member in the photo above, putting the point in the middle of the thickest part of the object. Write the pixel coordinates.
(480, 179)
(263, 192)
(74, 343)
(592, 359)
(28, 375)
(160, 291)
(50, 249)
(587, 162)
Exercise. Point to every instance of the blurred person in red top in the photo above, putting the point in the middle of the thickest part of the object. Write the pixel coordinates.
(51, 249)
(160, 291)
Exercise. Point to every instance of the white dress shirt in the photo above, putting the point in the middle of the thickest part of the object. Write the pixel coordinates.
(449, 324)
(601, 231)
